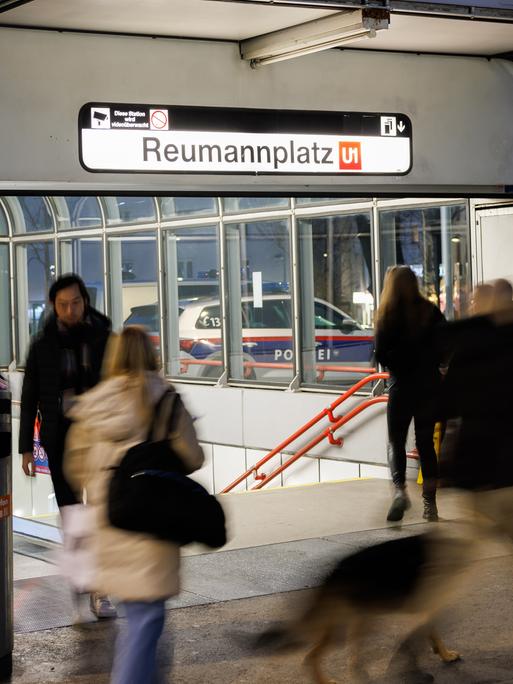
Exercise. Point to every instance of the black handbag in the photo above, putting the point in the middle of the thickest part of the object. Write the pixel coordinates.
(149, 492)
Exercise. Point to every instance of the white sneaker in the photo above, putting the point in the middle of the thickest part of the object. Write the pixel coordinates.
(103, 607)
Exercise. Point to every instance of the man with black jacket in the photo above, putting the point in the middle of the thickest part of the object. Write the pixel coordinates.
(64, 360)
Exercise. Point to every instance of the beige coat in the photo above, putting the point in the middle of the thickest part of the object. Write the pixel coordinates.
(107, 422)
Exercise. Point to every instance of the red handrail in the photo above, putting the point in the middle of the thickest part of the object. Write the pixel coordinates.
(328, 432)
(325, 412)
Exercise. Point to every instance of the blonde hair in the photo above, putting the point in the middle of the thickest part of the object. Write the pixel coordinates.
(502, 294)
(133, 354)
(401, 298)
(482, 300)
(130, 352)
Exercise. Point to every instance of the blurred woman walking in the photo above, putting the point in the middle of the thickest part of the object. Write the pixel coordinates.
(405, 344)
(137, 568)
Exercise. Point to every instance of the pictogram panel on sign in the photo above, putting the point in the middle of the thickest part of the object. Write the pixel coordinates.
(172, 139)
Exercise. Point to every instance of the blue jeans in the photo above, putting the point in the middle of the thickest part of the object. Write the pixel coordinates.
(135, 653)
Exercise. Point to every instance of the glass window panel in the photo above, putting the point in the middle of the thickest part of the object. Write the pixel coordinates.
(433, 241)
(35, 266)
(30, 214)
(274, 313)
(129, 210)
(4, 228)
(195, 346)
(77, 212)
(172, 207)
(241, 204)
(5, 308)
(133, 276)
(328, 200)
(85, 257)
(337, 302)
(261, 344)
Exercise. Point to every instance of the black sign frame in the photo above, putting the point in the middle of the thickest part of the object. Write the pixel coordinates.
(253, 120)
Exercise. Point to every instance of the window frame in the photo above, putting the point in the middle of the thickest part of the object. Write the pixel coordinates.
(291, 212)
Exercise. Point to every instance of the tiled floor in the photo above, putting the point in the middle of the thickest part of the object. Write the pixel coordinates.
(279, 545)
(26, 567)
(272, 532)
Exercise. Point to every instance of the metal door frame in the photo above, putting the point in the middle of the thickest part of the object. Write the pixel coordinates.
(479, 211)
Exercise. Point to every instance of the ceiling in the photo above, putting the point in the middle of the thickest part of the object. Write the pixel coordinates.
(236, 21)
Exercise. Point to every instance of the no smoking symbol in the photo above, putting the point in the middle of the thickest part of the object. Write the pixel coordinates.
(159, 120)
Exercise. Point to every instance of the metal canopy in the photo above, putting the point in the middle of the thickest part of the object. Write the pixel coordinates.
(415, 26)
(491, 8)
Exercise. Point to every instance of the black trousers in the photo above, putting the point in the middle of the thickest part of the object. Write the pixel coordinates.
(407, 403)
(63, 492)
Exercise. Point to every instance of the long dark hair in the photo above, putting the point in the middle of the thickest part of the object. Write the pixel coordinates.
(68, 280)
(401, 301)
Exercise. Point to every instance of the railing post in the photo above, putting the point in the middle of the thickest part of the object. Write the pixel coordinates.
(6, 557)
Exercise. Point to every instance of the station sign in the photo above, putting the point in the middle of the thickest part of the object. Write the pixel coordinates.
(175, 139)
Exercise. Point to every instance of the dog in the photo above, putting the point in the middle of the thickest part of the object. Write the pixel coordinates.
(415, 575)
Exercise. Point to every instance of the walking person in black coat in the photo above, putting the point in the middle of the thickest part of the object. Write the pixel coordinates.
(64, 361)
(477, 393)
(405, 329)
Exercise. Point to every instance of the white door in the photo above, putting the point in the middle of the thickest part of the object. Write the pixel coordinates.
(494, 244)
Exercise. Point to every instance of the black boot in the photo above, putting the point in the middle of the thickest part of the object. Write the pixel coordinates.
(429, 497)
(400, 504)
(430, 510)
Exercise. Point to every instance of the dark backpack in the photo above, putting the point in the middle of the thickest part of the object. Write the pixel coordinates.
(149, 492)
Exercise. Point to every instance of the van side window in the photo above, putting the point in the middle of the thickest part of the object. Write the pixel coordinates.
(146, 315)
(209, 318)
(327, 318)
(275, 313)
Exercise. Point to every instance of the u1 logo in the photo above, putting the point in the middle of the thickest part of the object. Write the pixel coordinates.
(350, 156)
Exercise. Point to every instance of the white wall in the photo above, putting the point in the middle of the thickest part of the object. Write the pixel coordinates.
(461, 107)
(242, 425)
(237, 427)
(262, 418)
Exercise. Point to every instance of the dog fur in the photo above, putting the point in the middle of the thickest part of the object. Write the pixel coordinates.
(415, 575)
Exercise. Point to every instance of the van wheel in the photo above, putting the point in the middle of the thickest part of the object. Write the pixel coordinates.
(213, 372)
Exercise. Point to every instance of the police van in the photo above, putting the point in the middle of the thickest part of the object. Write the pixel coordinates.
(340, 341)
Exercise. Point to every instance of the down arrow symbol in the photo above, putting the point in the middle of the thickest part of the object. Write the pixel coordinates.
(401, 127)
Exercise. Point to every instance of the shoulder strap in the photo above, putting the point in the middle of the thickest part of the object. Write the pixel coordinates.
(159, 407)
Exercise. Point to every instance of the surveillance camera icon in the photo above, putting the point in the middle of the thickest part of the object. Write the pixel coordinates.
(100, 118)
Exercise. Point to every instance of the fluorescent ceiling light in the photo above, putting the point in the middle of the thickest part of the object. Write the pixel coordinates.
(314, 36)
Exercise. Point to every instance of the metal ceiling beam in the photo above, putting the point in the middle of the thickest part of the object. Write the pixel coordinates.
(6, 5)
(459, 9)
(317, 4)
(504, 55)
(456, 10)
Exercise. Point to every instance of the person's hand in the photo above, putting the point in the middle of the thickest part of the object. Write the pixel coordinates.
(28, 464)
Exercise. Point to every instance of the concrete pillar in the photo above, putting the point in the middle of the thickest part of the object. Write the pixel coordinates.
(6, 565)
